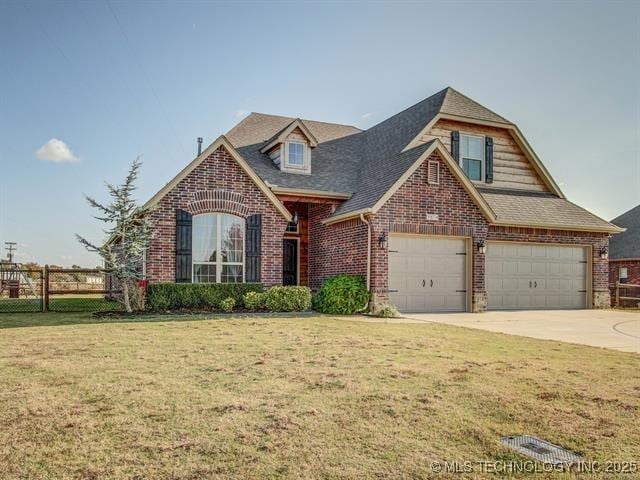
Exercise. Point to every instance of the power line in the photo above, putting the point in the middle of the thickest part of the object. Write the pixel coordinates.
(144, 73)
(10, 247)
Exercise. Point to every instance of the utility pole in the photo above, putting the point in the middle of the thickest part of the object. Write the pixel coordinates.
(10, 247)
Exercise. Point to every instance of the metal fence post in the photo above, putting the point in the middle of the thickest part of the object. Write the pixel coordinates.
(45, 289)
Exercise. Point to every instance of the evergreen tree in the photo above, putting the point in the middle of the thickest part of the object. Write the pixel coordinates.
(129, 233)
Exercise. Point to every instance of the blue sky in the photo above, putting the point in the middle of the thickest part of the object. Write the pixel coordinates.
(113, 80)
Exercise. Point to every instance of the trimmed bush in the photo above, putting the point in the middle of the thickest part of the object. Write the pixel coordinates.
(196, 296)
(227, 305)
(254, 301)
(342, 295)
(288, 299)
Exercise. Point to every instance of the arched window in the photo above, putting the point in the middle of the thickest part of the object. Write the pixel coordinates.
(218, 248)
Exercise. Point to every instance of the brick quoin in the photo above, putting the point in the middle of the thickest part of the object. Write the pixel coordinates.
(219, 171)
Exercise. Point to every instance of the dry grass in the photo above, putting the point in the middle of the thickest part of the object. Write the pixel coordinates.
(300, 398)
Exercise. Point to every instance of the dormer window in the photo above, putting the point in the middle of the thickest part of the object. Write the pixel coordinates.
(472, 156)
(295, 155)
(290, 148)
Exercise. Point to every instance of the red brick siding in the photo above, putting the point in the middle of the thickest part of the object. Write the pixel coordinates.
(459, 216)
(409, 205)
(633, 271)
(334, 249)
(633, 277)
(218, 172)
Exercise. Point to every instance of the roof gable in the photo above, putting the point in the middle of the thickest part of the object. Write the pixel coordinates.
(221, 141)
(455, 103)
(282, 135)
(379, 187)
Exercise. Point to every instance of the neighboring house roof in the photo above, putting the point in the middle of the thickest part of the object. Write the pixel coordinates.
(536, 209)
(627, 244)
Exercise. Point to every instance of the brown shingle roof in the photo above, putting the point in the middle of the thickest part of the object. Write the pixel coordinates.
(455, 103)
(541, 209)
(366, 163)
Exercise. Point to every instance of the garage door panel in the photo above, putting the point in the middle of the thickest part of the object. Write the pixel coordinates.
(524, 268)
(539, 268)
(547, 276)
(427, 274)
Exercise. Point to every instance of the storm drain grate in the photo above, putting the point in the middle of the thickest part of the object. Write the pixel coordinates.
(540, 450)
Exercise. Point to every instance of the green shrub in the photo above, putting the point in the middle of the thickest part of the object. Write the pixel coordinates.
(196, 296)
(342, 295)
(227, 305)
(288, 299)
(254, 301)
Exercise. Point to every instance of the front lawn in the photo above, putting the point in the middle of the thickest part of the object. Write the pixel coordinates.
(313, 397)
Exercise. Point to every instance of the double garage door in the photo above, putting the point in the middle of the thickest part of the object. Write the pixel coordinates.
(529, 276)
(429, 274)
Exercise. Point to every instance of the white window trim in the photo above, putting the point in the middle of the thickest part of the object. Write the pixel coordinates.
(219, 263)
(306, 165)
(297, 230)
(626, 271)
(483, 162)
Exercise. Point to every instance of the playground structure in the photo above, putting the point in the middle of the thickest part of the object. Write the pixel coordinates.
(18, 282)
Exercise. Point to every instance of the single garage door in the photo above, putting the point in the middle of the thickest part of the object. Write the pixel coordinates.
(427, 274)
(529, 276)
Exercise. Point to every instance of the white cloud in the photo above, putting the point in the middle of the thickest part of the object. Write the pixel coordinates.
(56, 151)
(366, 116)
(241, 113)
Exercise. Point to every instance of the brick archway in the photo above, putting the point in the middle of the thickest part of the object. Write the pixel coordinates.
(225, 201)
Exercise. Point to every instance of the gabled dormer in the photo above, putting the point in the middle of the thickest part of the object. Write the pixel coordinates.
(290, 148)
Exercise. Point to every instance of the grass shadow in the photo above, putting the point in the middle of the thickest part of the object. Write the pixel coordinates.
(54, 319)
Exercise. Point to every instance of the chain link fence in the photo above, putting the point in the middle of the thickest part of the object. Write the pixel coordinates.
(56, 290)
(79, 290)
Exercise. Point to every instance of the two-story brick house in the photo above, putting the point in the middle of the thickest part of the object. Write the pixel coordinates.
(442, 207)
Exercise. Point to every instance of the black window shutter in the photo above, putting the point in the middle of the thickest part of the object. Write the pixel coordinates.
(488, 159)
(183, 246)
(253, 234)
(455, 146)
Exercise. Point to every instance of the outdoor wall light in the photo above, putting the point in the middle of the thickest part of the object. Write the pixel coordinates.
(295, 218)
(604, 253)
(382, 241)
(482, 247)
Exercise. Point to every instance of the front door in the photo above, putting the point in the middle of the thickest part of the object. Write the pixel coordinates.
(289, 261)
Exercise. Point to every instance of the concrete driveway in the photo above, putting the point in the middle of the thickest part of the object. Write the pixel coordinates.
(613, 329)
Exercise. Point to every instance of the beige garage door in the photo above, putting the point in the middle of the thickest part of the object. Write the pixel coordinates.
(527, 276)
(427, 274)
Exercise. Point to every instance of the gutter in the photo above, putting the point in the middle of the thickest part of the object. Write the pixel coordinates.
(369, 227)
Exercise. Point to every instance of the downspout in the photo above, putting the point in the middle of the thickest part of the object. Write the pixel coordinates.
(368, 250)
